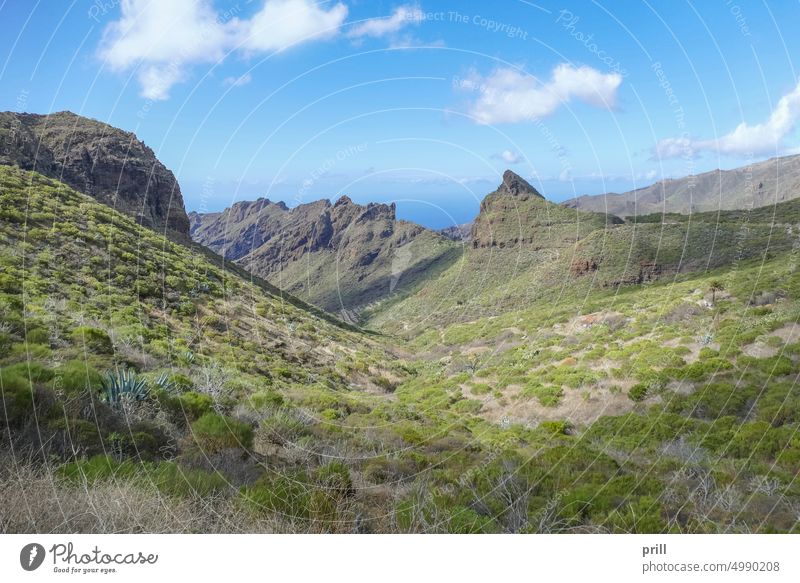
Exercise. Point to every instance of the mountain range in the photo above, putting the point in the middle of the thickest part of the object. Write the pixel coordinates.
(546, 369)
(364, 265)
(340, 256)
(756, 185)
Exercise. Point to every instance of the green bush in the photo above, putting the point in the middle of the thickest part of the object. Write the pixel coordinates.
(214, 432)
(168, 477)
(180, 382)
(638, 392)
(93, 339)
(13, 380)
(77, 376)
(288, 496)
(38, 336)
(335, 479)
(547, 395)
(721, 399)
(99, 467)
(16, 397)
(774, 366)
(265, 399)
(466, 521)
(194, 405)
(555, 427)
(172, 479)
(702, 369)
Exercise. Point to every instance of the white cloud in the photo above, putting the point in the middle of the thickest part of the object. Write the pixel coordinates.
(379, 27)
(281, 24)
(161, 40)
(237, 81)
(509, 96)
(746, 140)
(509, 156)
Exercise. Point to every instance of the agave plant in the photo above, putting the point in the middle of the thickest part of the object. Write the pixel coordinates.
(164, 382)
(124, 385)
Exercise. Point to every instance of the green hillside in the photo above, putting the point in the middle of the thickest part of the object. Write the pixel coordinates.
(145, 388)
(530, 251)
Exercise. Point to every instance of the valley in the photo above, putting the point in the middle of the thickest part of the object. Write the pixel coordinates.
(329, 368)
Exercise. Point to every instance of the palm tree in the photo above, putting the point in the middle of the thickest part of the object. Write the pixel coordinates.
(715, 286)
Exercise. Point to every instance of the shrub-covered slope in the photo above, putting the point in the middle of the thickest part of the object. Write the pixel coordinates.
(115, 341)
(145, 388)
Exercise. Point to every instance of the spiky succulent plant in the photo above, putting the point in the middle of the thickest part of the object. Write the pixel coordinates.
(119, 386)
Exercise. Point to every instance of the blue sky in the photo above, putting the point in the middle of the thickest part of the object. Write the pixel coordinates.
(421, 103)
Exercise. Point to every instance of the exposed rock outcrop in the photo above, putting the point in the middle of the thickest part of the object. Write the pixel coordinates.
(107, 163)
(517, 214)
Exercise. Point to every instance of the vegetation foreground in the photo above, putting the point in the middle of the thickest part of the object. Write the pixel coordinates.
(147, 387)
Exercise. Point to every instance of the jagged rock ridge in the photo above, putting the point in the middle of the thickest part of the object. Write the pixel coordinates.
(341, 256)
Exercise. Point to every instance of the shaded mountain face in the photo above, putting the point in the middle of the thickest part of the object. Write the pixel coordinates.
(461, 232)
(770, 182)
(107, 163)
(340, 256)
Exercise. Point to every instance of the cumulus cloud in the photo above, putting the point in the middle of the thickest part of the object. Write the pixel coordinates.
(281, 24)
(161, 40)
(510, 96)
(746, 140)
(509, 157)
(379, 27)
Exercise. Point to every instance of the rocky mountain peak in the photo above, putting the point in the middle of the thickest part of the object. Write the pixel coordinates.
(515, 185)
(343, 200)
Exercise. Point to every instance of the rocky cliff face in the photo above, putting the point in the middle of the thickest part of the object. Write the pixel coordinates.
(109, 164)
(340, 256)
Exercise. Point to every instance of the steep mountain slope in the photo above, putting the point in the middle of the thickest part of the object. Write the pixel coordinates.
(526, 250)
(107, 163)
(340, 256)
(116, 341)
(769, 182)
